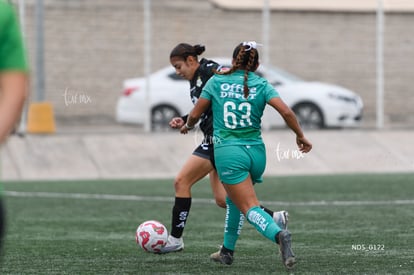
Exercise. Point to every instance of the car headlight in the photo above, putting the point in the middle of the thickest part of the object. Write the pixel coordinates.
(343, 98)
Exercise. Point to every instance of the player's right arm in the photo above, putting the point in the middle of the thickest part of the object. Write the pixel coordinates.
(195, 114)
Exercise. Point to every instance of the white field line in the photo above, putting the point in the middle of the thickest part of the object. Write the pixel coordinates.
(55, 195)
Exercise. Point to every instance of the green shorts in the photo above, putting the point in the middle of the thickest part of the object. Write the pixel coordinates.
(234, 163)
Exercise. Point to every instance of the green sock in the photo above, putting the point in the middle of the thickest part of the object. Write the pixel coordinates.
(233, 225)
(263, 222)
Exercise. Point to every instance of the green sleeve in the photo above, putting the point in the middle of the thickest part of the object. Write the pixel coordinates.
(208, 89)
(270, 92)
(12, 52)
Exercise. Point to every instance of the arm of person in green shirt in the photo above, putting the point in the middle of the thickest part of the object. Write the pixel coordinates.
(290, 118)
(13, 87)
(13, 71)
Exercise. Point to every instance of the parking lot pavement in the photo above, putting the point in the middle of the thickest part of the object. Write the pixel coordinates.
(108, 154)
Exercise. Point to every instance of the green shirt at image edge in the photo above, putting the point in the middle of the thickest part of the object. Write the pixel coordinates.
(12, 52)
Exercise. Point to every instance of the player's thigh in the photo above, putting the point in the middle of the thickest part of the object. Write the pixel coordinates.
(194, 169)
(218, 189)
(257, 155)
(242, 194)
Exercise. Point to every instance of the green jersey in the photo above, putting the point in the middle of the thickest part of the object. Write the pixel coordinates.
(12, 53)
(237, 120)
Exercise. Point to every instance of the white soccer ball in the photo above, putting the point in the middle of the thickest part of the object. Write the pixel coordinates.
(151, 236)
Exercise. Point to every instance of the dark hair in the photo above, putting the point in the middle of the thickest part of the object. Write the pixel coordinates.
(245, 58)
(185, 50)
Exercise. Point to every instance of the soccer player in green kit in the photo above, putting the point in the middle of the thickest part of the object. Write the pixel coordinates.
(238, 98)
(13, 80)
(184, 58)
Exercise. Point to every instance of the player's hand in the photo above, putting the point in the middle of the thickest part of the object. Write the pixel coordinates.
(177, 123)
(184, 130)
(304, 145)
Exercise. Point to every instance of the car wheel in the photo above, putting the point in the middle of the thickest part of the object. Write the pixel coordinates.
(309, 116)
(161, 116)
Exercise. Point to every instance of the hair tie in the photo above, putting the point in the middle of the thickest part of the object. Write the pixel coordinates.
(251, 44)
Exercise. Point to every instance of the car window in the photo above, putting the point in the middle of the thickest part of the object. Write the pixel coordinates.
(175, 76)
(282, 75)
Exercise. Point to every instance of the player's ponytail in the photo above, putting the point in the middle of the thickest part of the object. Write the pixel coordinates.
(199, 49)
(184, 50)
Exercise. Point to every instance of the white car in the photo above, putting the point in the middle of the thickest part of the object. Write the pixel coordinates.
(316, 104)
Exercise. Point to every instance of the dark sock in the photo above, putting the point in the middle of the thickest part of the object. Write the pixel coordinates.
(268, 211)
(180, 213)
(277, 237)
(225, 250)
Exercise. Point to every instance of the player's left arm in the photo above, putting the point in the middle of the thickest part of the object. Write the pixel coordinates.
(195, 114)
(13, 87)
(13, 70)
(290, 118)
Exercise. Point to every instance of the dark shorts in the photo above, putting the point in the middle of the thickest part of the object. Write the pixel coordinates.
(205, 151)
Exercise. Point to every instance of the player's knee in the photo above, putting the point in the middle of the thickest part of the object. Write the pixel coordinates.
(181, 184)
(177, 183)
(221, 202)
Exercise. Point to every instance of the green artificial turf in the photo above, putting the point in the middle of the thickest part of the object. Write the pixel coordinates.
(340, 224)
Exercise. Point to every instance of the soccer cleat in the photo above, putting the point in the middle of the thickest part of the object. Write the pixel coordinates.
(221, 257)
(173, 245)
(285, 246)
(281, 218)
